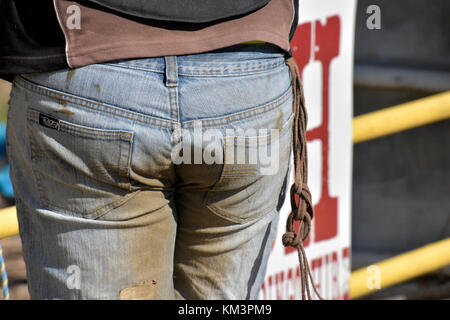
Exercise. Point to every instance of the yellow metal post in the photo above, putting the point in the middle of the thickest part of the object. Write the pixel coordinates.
(401, 268)
(402, 117)
(8, 222)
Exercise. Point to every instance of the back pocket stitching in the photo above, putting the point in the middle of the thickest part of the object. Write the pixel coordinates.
(228, 172)
(123, 165)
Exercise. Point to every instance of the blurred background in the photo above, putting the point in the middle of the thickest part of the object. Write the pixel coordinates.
(401, 182)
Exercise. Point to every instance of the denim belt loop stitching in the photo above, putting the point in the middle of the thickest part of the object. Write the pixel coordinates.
(171, 73)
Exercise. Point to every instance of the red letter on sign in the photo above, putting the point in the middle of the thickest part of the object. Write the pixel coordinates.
(301, 46)
(327, 48)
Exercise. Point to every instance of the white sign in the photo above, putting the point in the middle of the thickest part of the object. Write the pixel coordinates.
(323, 50)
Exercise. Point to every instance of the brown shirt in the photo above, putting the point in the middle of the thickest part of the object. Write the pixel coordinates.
(105, 35)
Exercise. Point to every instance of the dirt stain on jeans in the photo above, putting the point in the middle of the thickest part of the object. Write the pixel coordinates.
(70, 75)
(63, 103)
(97, 87)
(144, 290)
(279, 123)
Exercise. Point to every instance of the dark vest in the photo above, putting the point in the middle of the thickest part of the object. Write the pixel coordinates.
(193, 11)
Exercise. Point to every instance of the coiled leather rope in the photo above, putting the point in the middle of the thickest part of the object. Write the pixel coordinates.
(302, 209)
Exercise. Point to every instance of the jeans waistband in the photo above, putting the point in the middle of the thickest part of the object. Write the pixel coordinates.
(240, 59)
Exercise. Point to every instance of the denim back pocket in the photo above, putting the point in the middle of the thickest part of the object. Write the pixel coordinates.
(253, 173)
(80, 171)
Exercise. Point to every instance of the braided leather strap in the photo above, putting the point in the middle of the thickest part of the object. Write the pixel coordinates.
(302, 209)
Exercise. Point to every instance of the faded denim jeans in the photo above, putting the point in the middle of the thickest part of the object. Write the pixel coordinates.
(130, 179)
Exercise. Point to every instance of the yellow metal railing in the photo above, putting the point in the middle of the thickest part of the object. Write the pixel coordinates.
(401, 268)
(401, 117)
(8, 222)
(366, 127)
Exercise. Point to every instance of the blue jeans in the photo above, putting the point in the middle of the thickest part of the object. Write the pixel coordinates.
(145, 179)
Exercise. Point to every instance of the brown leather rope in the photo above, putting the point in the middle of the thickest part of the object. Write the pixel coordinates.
(304, 210)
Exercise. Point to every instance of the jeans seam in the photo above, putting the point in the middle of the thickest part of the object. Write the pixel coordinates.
(224, 214)
(135, 67)
(78, 130)
(99, 212)
(212, 122)
(230, 71)
(248, 69)
(93, 105)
